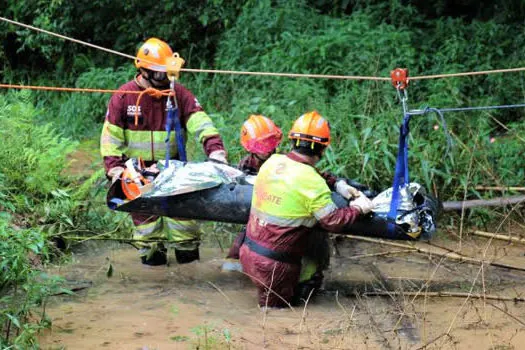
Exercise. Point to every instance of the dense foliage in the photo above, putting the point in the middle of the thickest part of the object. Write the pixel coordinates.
(40, 200)
(344, 37)
(366, 114)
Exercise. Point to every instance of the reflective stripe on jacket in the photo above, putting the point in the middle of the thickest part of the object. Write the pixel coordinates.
(290, 193)
(290, 197)
(121, 138)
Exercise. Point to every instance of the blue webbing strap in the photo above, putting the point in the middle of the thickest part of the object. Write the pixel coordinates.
(401, 176)
(173, 123)
(169, 126)
(180, 136)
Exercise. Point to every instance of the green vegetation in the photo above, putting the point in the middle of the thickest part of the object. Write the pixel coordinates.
(41, 200)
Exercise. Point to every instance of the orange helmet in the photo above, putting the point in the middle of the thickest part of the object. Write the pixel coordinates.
(311, 127)
(131, 187)
(259, 134)
(153, 55)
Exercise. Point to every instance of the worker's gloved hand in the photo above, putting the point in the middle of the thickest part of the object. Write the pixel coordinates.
(346, 190)
(218, 156)
(362, 203)
(114, 173)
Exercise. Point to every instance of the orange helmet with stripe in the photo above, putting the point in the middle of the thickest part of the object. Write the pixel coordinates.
(311, 127)
(259, 134)
(153, 54)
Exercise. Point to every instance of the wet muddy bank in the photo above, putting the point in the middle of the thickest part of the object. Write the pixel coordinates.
(197, 305)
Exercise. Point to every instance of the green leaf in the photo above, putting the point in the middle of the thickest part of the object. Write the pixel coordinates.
(14, 320)
(66, 291)
(227, 334)
(180, 338)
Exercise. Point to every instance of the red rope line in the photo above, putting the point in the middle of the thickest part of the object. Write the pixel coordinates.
(66, 89)
(153, 93)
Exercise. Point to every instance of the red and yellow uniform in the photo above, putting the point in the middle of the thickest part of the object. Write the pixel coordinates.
(290, 198)
(122, 139)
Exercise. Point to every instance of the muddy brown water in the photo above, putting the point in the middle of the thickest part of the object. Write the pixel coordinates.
(198, 306)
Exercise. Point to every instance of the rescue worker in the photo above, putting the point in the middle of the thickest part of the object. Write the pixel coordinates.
(290, 198)
(133, 131)
(260, 137)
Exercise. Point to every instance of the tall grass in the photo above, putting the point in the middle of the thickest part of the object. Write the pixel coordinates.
(291, 37)
(38, 201)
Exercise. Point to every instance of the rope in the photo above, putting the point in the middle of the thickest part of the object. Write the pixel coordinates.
(461, 109)
(67, 38)
(287, 75)
(214, 71)
(68, 89)
(152, 92)
(483, 72)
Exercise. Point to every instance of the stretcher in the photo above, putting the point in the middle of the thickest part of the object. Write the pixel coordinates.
(231, 202)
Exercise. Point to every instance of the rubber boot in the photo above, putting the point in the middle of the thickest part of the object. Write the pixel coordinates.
(308, 289)
(186, 256)
(156, 258)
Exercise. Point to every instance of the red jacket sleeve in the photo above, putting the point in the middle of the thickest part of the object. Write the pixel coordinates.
(339, 218)
(114, 116)
(330, 179)
(213, 143)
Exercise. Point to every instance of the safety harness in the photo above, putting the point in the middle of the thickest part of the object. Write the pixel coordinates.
(173, 123)
(284, 257)
(173, 66)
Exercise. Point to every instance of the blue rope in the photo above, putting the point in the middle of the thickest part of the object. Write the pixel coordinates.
(440, 111)
(460, 109)
(463, 109)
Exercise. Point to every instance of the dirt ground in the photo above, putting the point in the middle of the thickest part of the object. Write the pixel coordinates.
(198, 306)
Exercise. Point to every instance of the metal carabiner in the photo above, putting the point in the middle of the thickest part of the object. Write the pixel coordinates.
(403, 97)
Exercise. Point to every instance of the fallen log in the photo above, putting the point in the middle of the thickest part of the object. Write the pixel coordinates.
(444, 294)
(499, 188)
(494, 202)
(416, 248)
(500, 237)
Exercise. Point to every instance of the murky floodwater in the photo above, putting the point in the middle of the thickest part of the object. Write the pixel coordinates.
(199, 306)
